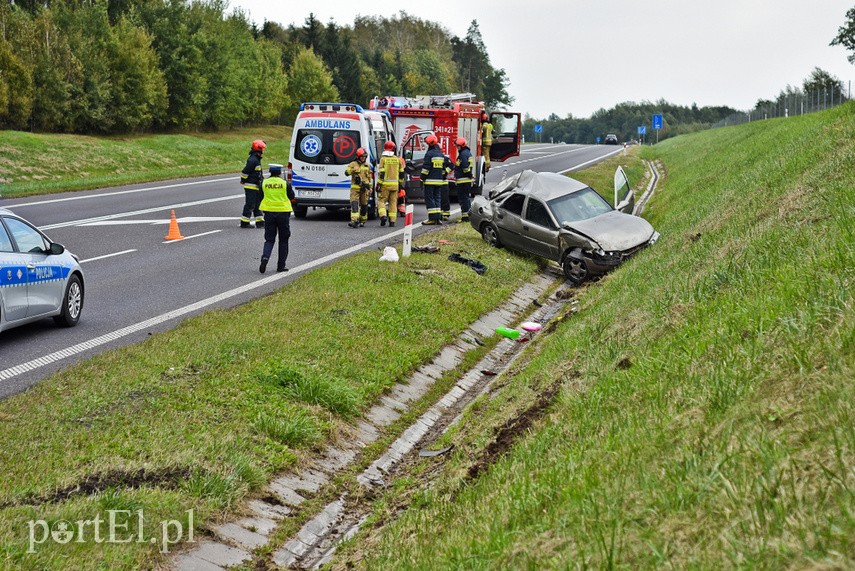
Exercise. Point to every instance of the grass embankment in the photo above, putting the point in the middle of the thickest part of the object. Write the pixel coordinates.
(32, 163)
(203, 415)
(706, 417)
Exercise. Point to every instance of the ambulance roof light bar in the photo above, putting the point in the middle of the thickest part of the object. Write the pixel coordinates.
(324, 106)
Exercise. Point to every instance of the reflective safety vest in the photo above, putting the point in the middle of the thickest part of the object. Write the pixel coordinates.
(277, 196)
(359, 173)
(487, 134)
(391, 171)
(463, 166)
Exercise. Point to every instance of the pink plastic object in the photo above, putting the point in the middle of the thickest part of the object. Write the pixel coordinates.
(531, 326)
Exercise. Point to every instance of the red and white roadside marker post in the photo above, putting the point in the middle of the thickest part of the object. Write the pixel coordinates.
(408, 231)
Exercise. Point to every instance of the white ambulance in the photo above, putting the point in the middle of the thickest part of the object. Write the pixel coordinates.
(325, 139)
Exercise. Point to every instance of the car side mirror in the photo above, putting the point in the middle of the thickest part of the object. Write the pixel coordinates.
(56, 249)
(623, 204)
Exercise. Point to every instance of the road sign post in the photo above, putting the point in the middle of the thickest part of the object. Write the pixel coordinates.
(657, 124)
(408, 231)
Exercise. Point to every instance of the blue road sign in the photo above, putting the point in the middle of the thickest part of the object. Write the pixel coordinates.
(598, 139)
(657, 121)
(642, 130)
(538, 128)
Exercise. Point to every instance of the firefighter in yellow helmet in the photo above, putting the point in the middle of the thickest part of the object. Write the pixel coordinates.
(391, 174)
(359, 172)
(486, 139)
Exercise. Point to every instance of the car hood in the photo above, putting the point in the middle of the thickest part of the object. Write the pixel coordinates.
(615, 231)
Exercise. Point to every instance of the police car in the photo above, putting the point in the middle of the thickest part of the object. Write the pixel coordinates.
(38, 278)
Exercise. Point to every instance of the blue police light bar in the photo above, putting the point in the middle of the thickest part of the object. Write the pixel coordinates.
(326, 106)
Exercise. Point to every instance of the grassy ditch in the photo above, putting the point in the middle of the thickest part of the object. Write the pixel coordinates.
(201, 416)
(706, 417)
(33, 163)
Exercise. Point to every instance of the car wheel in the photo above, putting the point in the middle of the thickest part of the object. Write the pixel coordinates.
(72, 303)
(491, 235)
(301, 211)
(575, 270)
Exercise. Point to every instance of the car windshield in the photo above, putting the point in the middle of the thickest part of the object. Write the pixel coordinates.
(578, 206)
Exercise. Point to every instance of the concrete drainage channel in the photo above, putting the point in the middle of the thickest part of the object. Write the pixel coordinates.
(314, 544)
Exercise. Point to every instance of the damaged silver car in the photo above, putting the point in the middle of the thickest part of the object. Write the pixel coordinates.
(564, 220)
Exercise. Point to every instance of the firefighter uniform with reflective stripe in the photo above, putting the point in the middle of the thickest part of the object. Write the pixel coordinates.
(359, 172)
(252, 178)
(391, 170)
(277, 209)
(434, 178)
(463, 174)
(486, 143)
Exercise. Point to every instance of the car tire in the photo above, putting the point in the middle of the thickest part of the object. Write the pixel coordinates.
(491, 234)
(72, 303)
(301, 211)
(575, 270)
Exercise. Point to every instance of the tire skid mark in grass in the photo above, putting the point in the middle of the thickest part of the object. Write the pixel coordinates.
(167, 478)
(514, 428)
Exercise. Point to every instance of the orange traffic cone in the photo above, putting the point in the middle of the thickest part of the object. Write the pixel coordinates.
(174, 233)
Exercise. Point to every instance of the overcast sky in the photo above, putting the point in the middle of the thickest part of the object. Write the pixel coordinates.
(577, 56)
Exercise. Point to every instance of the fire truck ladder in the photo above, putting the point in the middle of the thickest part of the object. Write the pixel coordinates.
(450, 99)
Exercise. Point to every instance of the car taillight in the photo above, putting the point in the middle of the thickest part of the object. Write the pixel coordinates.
(288, 174)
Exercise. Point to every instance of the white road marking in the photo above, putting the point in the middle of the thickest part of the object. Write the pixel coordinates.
(13, 372)
(183, 220)
(589, 162)
(193, 236)
(137, 212)
(107, 256)
(117, 193)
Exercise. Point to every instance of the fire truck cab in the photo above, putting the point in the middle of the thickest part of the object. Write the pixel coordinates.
(448, 117)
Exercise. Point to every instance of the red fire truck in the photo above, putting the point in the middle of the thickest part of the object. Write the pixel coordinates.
(448, 117)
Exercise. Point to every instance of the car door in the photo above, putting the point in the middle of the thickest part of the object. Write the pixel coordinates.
(539, 231)
(413, 151)
(509, 221)
(624, 196)
(13, 278)
(507, 128)
(44, 274)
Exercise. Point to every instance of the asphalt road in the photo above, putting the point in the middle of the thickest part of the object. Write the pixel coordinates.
(137, 283)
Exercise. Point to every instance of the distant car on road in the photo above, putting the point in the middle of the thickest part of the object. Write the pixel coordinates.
(564, 220)
(611, 139)
(38, 278)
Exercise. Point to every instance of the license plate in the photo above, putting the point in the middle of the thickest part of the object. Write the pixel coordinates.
(310, 193)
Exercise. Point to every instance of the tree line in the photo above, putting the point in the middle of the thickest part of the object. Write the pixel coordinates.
(820, 90)
(623, 120)
(133, 66)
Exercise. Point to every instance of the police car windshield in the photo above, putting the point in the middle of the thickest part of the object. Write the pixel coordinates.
(326, 146)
